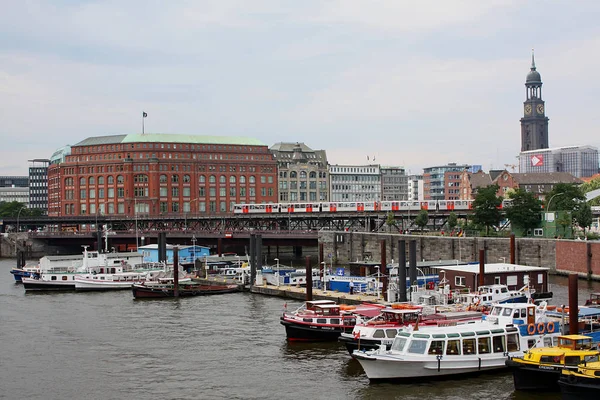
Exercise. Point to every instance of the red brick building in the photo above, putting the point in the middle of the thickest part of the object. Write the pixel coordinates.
(160, 174)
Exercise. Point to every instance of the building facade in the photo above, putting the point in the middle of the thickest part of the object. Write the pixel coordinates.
(580, 161)
(160, 174)
(415, 188)
(303, 173)
(10, 194)
(434, 180)
(539, 183)
(355, 182)
(394, 183)
(14, 181)
(534, 124)
(38, 184)
(471, 182)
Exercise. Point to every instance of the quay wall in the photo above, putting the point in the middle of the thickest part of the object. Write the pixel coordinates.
(561, 256)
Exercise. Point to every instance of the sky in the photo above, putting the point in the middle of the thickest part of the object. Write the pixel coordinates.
(405, 83)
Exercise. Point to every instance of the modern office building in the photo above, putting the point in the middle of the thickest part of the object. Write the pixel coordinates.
(38, 184)
(14, 181)
(10, 194)
(394, 183)
(355, 182)
(302, 171)
(415, 188)
(161, 174)
(434, 180)
(580, 161)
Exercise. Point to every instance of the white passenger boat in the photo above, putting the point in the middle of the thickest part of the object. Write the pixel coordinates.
(461, 348)
(58, 272)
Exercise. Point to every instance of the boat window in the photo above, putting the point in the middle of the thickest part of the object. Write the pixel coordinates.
(453, 347)
(53, 278)
(512, 342)
(399, 343)
(507, 312)
(391, 333)
(463, 334)
(496, 311)
(455, 334)
(483, 345)
(483, 332)
(321, 321)
(421, 336)
(334, 321)
(497, 330)
(594, 358)
(572, 360)
(547, 341)
(404, 334)
(531, 343)
(511, 329)
(417, 346)
(498, 342)
(439, 336)
(378, 334)
(64, 278)
(468, 346)
(597, 373)
(436, 347)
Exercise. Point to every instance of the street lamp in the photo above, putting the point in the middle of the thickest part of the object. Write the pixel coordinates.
(550, 201)
(277, 261)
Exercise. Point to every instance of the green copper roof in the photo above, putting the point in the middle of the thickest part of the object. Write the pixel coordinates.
(196, 139)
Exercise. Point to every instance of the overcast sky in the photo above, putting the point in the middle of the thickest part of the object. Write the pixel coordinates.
(412, 83)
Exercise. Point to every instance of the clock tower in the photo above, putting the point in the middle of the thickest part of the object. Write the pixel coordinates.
(534, 124)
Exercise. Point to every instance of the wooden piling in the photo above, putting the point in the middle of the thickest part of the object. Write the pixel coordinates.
(175, 271)
(573, 305)
(481, 267)
(309, 282)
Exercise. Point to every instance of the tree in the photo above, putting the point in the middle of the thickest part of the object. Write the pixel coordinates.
(524, 210)
(12, 209)
(422, 219)
(588, 187)
(563, 197)
(583, 216)
(487, 207)
(452, 220)
(390, 220)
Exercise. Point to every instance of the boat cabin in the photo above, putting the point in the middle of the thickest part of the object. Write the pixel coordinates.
(575, 342)
(594, 300)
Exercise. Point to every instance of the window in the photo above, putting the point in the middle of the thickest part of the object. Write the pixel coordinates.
(468, 346)
(436, 347)
(163, 179)
(81, 181)
(175, 178)
(202, 179)
(232, 179)
(417, 346)
(512, 342)
(175, 192)
(222, 179)
(459, 281)
(453, 348)
(212, 192)
(483, 345)
(212, 179)
(175, 207)
(100, 180)
(242, 179)
(186, 179)
(163, 191)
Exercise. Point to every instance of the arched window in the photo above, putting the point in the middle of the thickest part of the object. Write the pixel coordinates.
(110, 180)
(242, 179)
(100, 180)
(212, 179)
(252, 179)
(163, 179)
(82, 181)
(202, 179)
(312, 175)
(120, 179)
(303, 174)
(232, 179)
(222, 179)
(175, 178)
(293, 174)
(186, 179)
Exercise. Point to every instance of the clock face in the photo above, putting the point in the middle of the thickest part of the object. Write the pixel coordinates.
(527, 109)
(540, 108)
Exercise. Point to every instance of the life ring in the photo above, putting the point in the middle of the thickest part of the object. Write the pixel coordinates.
(531, 329)
(550, 327)
(541, 328)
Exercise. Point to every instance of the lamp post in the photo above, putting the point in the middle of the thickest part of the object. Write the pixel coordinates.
(550, 201)
(277, 261)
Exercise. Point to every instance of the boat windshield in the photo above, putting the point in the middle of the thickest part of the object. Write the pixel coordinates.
(400, 341)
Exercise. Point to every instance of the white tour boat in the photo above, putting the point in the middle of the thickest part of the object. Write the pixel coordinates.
(461, 348)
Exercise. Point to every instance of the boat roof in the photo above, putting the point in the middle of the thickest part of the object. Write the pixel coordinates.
(575, 337)
(475, 327)
(583, 312)
(492, 268)
(318, 302)
(401, 310)
(327, 306)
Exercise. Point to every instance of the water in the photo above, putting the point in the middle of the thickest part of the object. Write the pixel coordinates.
(109, 346)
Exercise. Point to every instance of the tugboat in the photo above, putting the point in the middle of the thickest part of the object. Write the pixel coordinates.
(540, 368)
(581, 384)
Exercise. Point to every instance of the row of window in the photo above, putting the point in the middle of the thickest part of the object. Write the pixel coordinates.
(302, 174)
(142, 178)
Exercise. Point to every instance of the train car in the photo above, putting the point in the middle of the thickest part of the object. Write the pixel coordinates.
(390, 206)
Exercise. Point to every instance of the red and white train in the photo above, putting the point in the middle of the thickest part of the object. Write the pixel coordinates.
(353, 206)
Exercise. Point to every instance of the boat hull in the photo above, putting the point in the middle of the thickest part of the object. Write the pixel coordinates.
(534, 377)
(158, 292)
(310, 332)
(82, 286)
(19, 274)
(383, 367)
(35, 284)
(577, 389)
(363, 345)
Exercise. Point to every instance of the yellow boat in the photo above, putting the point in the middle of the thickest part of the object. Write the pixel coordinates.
(540, 368)
(581, 384)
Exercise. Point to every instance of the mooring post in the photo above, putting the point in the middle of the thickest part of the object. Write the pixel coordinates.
(481, 268)
(309, 282)
(512, 249)
(175, 271)
(573, 305)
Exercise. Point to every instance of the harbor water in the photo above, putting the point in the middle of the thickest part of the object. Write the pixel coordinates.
(110, 346)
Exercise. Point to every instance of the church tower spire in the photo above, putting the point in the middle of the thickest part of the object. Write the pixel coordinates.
(534, 124)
